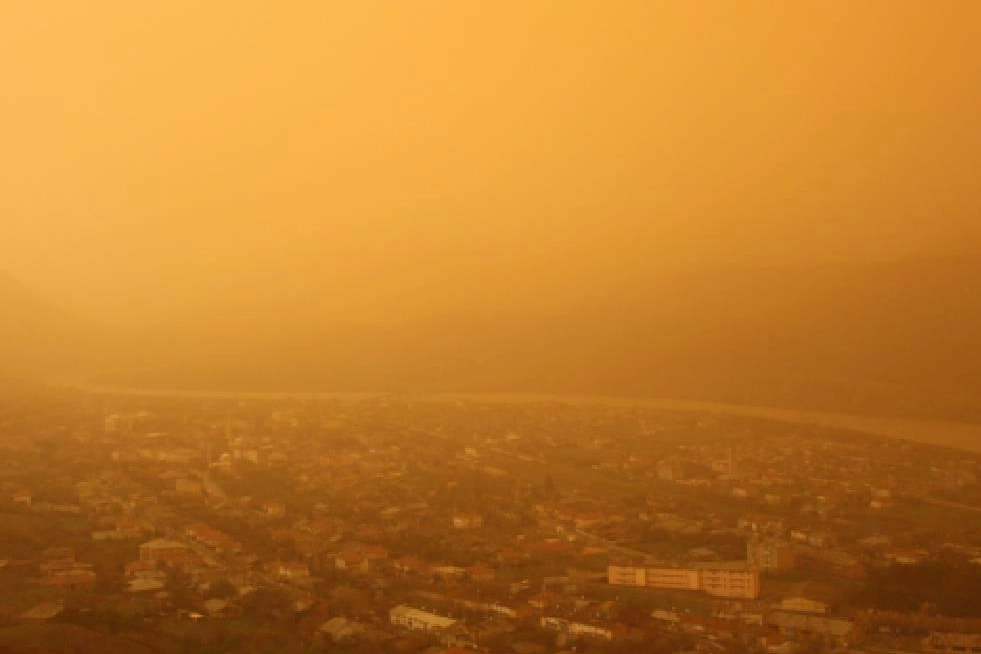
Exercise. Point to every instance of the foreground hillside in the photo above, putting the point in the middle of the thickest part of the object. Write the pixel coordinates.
(66, 639)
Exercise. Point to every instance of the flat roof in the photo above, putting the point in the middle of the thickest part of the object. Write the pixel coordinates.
(423, 616)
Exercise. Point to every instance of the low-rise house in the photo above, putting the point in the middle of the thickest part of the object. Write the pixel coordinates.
(43, 612)
(818, 539)
(577, 629)
(417, 619)
(216, 608)
(292, 570)
(837, 631)
(803, 605)
(340, 629)
(669, 617)
(761, 524)
(115, 534)
(902, 556)
(144, 570)
(448, 571)
(77, 576)
(457, 635)
(168, 552)
(411, 565)
(543, 601)
(467, 521)
(274, 509)
(352, 561)
(213, 539)
(141, 585)
(939, 642)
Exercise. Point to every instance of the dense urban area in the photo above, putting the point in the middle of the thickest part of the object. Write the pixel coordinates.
(396, 525)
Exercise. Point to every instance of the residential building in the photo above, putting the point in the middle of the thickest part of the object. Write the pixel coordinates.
(803, 605)
(670, 470)
(79, 575)
(770, 555)
(274, 509)
(736, 583)
(673, 578)
(212, 538)
(417, 619)
(169, 552)
(577, 629)
(939, 642)
(467, 521)
(340, 628)
(353, 561)
(835, 630)
(293, 570)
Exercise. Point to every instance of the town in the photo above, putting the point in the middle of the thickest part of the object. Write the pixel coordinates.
(395, 524)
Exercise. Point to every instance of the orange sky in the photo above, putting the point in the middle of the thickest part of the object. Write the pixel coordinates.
(161, 157)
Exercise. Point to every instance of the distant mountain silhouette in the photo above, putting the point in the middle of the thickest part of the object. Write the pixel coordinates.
(898, 338)
(37, 338)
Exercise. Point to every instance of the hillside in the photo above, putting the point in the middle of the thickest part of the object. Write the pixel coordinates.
(37, 338)
(66, 639)
(900, 338)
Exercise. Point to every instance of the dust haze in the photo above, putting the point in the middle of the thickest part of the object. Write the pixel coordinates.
(734, 201)
(490, 327)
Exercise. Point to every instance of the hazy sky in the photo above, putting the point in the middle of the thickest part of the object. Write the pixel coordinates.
(157, 158)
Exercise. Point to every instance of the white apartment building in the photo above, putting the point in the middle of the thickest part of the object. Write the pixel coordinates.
(736, 583)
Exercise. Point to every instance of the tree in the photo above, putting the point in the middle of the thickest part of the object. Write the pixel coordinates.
(222, 589)
(178, 588)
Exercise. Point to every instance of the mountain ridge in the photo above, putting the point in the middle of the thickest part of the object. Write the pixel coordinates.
(897, 337)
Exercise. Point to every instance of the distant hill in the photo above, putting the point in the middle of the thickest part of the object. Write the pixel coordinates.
(37, 338)
(895, 338)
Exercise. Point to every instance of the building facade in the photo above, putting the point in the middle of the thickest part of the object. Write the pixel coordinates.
(166, 551)
(952, 643)
(735, 583)
(417, 619)
(740, 584)
(577, 629)
(770, 555)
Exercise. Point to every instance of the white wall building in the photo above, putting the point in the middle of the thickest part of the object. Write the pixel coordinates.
(412, 618)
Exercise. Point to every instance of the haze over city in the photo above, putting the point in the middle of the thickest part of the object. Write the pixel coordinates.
(239, 181)
(512, 327)
(162, 160)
